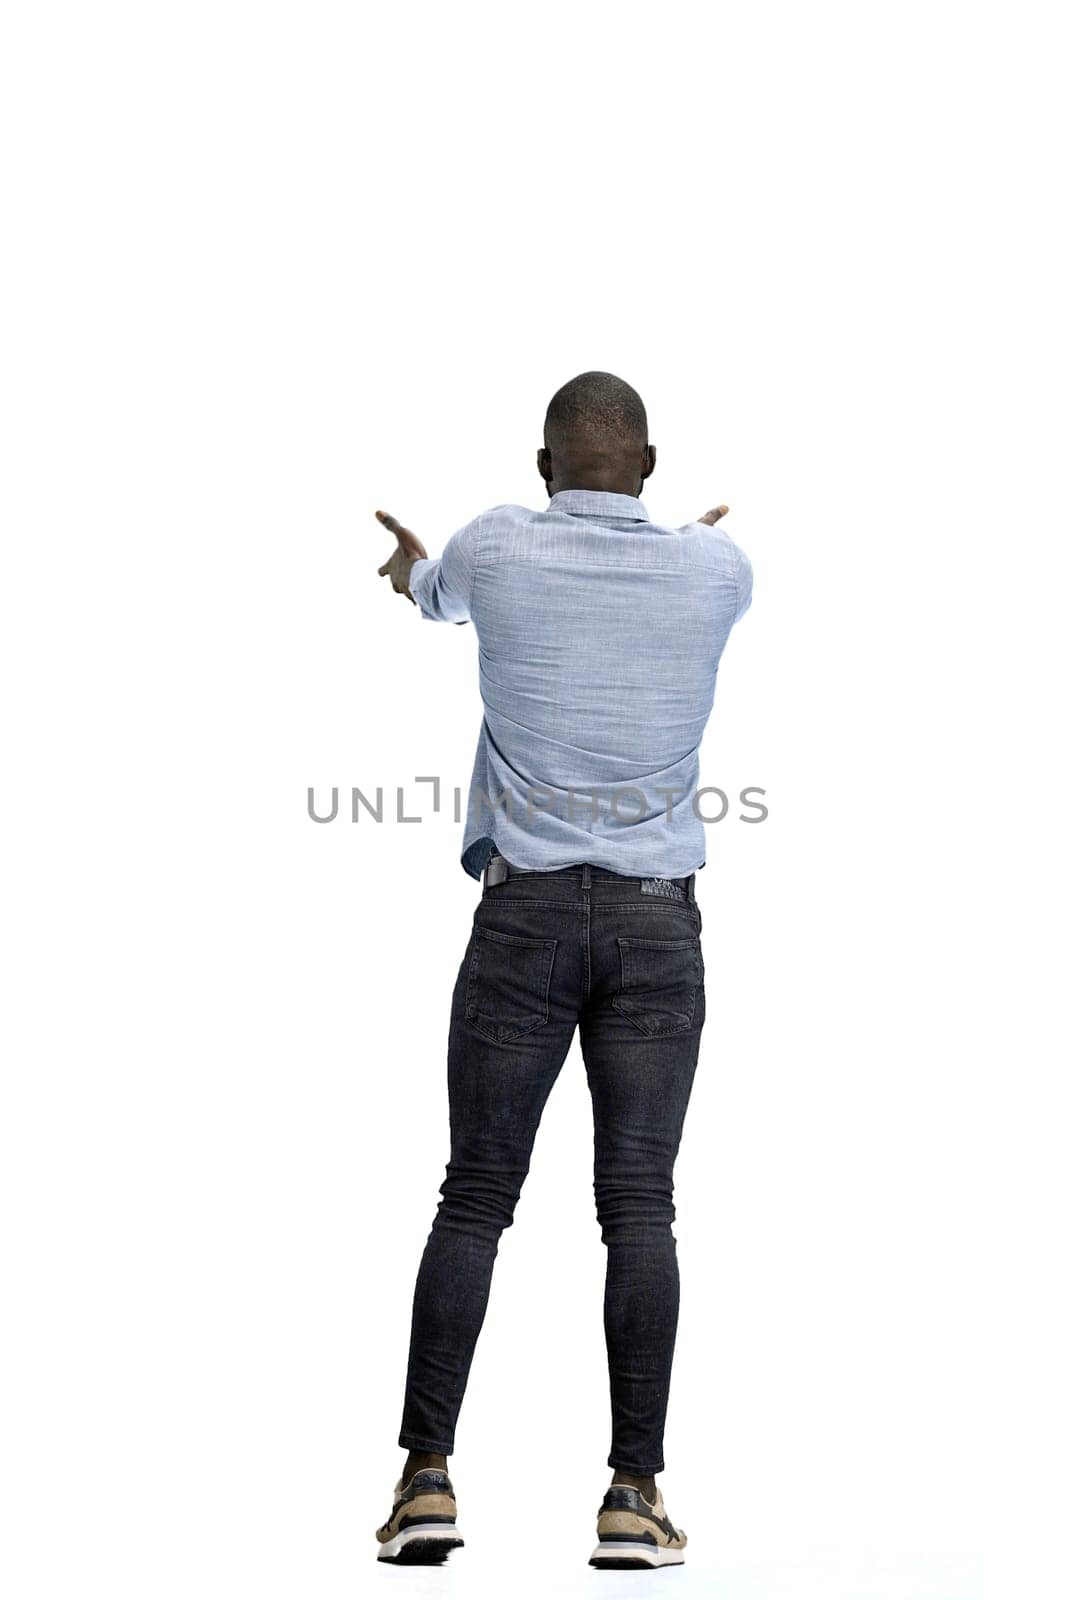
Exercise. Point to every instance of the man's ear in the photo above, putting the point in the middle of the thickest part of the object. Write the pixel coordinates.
(650, 462)
(544, 464)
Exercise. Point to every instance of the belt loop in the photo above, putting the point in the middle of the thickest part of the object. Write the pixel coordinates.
(496, 871)
(587, 876)
(690, 887)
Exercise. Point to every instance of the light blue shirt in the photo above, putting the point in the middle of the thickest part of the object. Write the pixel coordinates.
(599, 639)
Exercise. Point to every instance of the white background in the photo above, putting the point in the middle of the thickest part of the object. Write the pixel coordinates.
(270, 267)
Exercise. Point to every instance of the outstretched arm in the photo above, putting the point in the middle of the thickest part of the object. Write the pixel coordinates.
(742, 565)
(441, 588)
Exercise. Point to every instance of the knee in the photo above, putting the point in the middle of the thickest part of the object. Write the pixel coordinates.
(634, 1208)
(479, 1198)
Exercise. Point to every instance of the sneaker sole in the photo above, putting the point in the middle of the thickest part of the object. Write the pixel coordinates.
(424, 1545)
(618, 1556)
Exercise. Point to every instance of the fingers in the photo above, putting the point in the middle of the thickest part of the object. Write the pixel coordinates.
(391, 523)
(409, 544)
(712, 517)
(383, 571)
(404, 536)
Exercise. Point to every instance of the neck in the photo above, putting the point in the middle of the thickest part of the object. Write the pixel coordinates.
(602, 483)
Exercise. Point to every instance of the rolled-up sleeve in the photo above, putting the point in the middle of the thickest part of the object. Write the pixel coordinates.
(444, 587)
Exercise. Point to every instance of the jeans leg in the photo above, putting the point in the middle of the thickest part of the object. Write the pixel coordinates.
(640, 1089)
(497, 1088)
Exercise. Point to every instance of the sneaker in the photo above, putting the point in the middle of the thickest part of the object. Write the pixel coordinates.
(633, 1533)
(421, 1529)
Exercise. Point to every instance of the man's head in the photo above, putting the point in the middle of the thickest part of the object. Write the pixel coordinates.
(596, 437)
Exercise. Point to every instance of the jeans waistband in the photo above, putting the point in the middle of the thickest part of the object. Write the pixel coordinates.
(499, 870)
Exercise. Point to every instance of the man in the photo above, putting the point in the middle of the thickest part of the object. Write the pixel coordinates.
(600, 634)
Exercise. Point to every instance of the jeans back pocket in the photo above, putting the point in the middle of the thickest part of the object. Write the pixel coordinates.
(660, 980)
(507, 984)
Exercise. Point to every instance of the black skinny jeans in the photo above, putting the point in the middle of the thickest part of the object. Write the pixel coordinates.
(549, 952)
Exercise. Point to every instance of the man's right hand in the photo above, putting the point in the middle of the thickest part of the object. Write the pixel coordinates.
(408, 550)
(712, 517)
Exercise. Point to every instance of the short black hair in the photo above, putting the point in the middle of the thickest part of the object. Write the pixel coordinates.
(598, 410)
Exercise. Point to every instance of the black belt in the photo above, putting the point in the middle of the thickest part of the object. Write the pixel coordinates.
(498, 870)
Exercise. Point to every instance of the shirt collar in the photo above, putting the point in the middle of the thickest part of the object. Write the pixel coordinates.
(598, 503)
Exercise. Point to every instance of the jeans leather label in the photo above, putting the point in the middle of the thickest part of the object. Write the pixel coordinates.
(663, 886)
